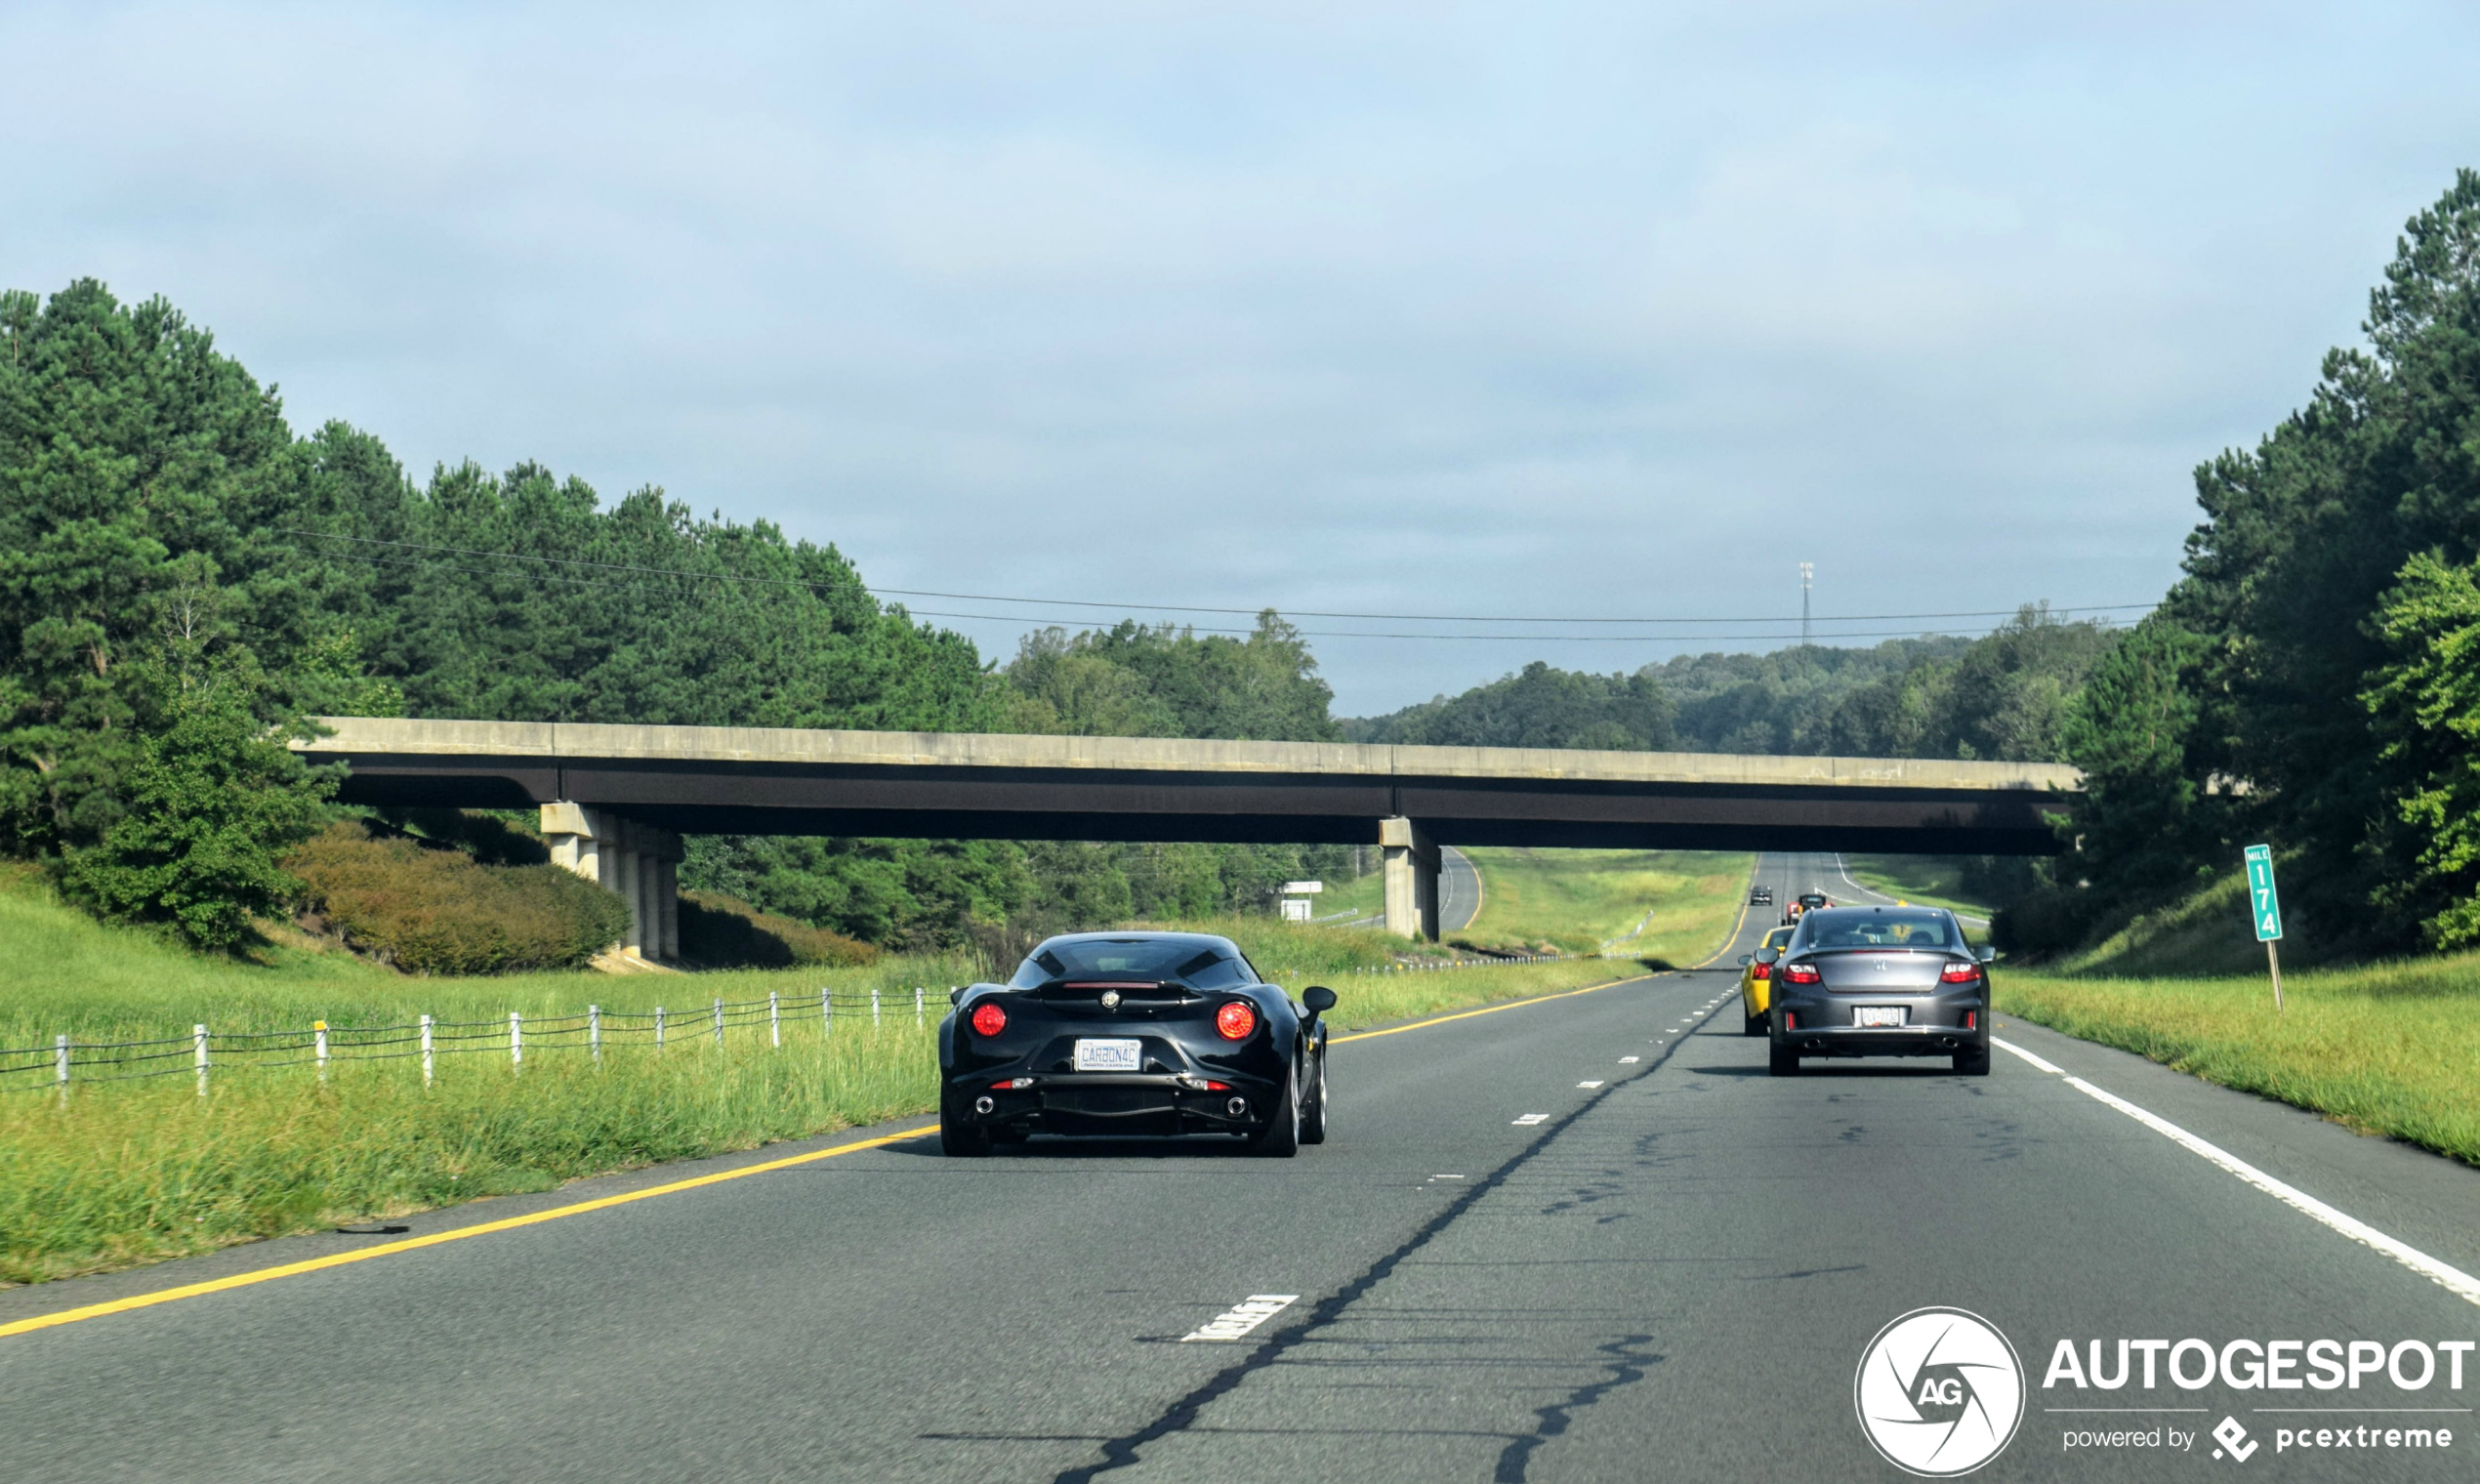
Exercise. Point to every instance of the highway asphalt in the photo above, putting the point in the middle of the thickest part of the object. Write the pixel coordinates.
(1586, 1238)
(1458, 891)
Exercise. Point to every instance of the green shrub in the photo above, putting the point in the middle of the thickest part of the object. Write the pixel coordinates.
(723, 932)
(433, 910)
(211, 800)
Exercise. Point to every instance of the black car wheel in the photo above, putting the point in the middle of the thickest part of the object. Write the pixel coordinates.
(958, 1138)
(1972, 1063)
(1782, 1061)
(1282, 1137)
(1313, 1113)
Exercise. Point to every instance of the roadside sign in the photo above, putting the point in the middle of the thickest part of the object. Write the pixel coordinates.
(2262, 903)
(2264, 907)
(1303, 889)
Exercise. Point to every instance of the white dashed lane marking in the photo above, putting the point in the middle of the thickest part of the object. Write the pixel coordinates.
(1589, 1084)
(1530, 1119)
(1630, 1060)
(1237, 1321)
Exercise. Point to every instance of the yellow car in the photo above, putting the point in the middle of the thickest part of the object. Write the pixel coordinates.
(1757, 980)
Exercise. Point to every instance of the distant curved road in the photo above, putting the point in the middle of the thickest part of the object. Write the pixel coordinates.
(1458, 891)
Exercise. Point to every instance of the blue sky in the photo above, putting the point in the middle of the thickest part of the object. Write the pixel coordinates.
(1547, 310)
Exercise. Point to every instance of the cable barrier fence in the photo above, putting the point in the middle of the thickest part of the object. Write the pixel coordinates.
(206, 1052)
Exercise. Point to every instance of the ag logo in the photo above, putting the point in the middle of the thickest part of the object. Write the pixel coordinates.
(1939, 1393)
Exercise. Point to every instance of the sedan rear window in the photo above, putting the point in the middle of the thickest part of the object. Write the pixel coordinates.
(1152, 959)
(1856, 928)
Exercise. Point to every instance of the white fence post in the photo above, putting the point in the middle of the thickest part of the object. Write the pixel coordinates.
(719, 1020)
(917, 1007)
(658, 1027)
(426, 1051)
(61, 1065)
(516, 1040)
(775, 1018)
(594, 1031)
(826, 1008)
(198, 1039)
(318, 1034)
(874, 1008)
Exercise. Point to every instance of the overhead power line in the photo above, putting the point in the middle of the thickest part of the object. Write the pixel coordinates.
(627, 570)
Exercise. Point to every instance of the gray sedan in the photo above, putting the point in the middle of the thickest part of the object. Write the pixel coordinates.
(1878, 981)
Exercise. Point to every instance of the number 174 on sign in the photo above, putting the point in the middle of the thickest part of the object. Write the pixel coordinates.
(2265, 905)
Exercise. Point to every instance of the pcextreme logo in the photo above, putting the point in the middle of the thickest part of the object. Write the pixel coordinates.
(1939, 1393)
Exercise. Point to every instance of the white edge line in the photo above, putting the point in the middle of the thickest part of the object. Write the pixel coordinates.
(2051, 1067)
(2445, 1275)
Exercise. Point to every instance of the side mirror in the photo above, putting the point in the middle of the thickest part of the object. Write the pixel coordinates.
(1748, 958)
(1318, 998)
(1768, 956)
(956, 995)
(1987, 955)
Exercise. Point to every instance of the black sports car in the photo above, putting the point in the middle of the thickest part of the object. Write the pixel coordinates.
(1121, 1034)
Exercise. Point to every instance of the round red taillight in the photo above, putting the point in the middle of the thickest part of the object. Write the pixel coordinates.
(989, 1019)
(1236, 1020)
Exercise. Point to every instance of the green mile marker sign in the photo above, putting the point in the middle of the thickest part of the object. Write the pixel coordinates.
(2266, 906)
(2261, 899)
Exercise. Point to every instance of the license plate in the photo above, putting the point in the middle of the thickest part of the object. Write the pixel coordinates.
(1876, 1014)
(1110, 1056)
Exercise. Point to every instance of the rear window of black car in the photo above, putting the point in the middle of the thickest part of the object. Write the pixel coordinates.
(1893, 928)
(1143, 959)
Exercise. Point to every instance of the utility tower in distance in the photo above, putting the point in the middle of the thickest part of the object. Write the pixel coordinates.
(1807, 573)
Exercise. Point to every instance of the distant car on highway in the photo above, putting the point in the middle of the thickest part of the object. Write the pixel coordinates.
(1123, 1034)
(1755, 981)
(1805, 902)
(1878, 981)
(1760, 897)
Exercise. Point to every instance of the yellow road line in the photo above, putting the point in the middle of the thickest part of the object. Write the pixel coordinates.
(1467, 1014)
(387, 1249)
(1733, 938)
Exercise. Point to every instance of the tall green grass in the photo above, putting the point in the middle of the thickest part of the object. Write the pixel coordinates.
(2384, 1049)
(117, 1174)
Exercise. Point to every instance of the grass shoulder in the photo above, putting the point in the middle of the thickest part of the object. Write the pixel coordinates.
(1926, 880)
(121, 1173)
(2382, 1047)
(1671, 906)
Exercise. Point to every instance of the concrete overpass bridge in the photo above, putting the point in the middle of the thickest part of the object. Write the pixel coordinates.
(615, 799)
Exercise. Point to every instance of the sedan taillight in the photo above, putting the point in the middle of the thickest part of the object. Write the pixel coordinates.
(1236, 1020)
(1801, 974)
(1760, 970)
(989, 1019)
(1959, 973)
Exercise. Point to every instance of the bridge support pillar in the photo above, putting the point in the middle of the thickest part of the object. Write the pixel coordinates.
(639, 863)
(1411, 878)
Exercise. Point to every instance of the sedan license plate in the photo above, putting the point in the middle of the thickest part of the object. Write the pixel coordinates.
(1110, 1056)
(1876, 1014)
